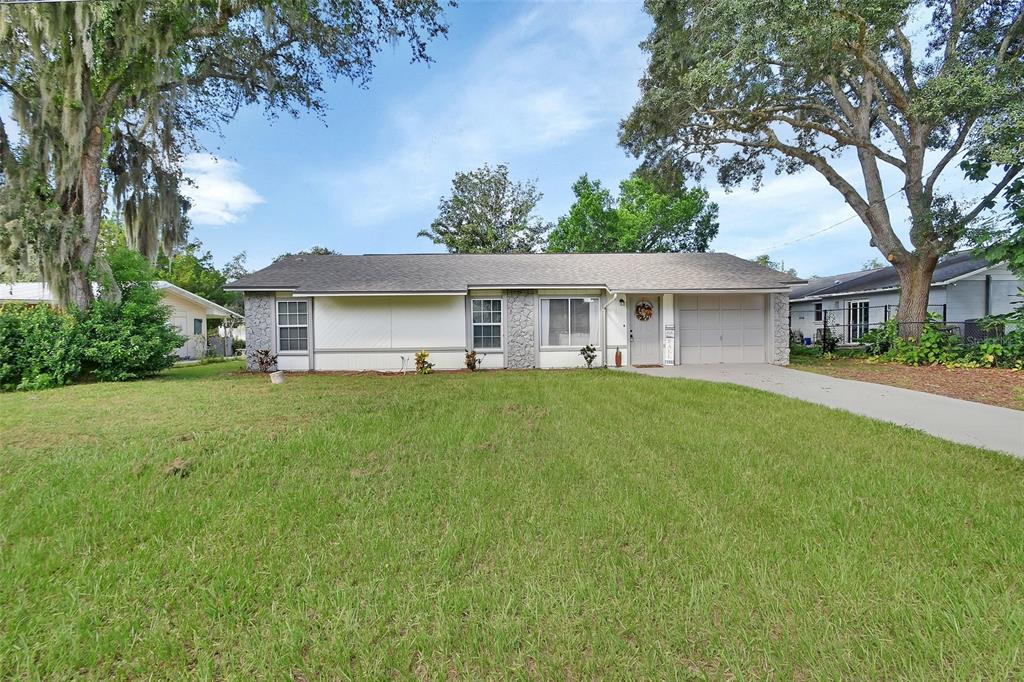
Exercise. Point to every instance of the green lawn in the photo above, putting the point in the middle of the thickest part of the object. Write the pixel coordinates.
(518, 524)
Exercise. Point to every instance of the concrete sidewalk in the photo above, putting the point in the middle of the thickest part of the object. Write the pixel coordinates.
(961, 421)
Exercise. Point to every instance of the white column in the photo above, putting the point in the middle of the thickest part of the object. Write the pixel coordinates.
(668, 336)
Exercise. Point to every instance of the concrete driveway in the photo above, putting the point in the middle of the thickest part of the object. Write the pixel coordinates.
(986, 426)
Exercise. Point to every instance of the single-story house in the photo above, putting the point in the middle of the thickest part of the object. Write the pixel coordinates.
(964, 289)
(189, 312)
(374, 312)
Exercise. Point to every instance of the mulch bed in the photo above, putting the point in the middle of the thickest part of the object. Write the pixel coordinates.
(1001, 387)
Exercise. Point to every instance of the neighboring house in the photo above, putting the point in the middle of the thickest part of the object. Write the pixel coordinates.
(189, 312)
(517, 310)
(964, 289)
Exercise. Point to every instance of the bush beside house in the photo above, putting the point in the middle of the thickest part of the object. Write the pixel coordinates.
(42, 347)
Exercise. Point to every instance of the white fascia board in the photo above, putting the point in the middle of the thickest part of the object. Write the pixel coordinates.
(212, 309)
(746, 290)
(352, 294)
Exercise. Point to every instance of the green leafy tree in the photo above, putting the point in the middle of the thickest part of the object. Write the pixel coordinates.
(744, 87)
(644, 219)
(193, 270)
(780, 266)
(592, 224)
(872, 264)
(108, 97)
(488, 212)
(314, 251)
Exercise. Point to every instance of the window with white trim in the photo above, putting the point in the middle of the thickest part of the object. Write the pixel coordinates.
(292, 325)
(569, 322)
(486, 318)
(817, 312)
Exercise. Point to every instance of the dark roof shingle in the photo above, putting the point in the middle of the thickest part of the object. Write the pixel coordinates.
(422, 273)
(953, 265)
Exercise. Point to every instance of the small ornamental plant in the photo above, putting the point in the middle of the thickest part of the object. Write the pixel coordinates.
(423, 366)
(263, 360)
(473, 360)
(589, 353)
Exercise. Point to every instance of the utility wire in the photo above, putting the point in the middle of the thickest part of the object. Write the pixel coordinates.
(826, 229)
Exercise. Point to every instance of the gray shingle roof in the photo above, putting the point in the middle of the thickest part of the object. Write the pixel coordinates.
(953, 265)
(458, 272)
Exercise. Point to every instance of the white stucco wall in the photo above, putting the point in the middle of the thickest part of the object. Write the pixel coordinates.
(385, 332)
(183, 313)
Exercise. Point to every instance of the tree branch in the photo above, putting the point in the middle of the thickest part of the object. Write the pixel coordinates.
(950, 154)
(1016, 28)
(907, 58)
(1010, 174)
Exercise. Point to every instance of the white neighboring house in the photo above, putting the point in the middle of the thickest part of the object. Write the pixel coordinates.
(189, 312)
(375, 312)
(964, 289)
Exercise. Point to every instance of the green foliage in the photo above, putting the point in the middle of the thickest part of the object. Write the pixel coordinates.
(193, 270)
(780, 266)
(316, 250)
(109, 97)
(40, 347)
(589, 354)
(472, 361)
(423, 366)
(645, 218)
(747, 88)
(937, 345)
(114, 340)
(488, 212)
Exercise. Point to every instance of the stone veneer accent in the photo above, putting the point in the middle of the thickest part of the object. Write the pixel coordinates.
(259, 324)
(521, 329)
(780, 329)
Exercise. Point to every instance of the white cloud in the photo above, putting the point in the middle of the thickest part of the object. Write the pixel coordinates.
(217, 194)
(537, 86)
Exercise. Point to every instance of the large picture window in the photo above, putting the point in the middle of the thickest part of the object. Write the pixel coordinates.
(486, 313)
(569, 322)
(292, 326)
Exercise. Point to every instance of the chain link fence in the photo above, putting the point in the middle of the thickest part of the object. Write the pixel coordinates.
(849, 325)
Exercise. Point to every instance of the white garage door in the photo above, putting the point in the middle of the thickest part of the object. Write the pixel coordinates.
(713, 328)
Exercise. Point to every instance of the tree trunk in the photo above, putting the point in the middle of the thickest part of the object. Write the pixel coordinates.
(915, 284)
(79, 287)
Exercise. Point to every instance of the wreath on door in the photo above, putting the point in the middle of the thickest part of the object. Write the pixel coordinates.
(644, 311)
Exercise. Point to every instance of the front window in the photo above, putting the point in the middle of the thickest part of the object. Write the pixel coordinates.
(486, 322)
(817, 312)
(197, 327)
(569, 322)
(292, 325)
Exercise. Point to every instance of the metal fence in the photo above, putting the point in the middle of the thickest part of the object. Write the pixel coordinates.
(850, 324)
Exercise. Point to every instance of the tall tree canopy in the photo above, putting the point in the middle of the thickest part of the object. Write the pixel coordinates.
(107, 98)
(315, 250)
(645, 218)
(743, 85)
(488, 212)
(766, 261)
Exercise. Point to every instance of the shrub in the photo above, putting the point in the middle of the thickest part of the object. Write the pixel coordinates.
(423, 366)
(40, 347)
(472, 360)
(130, 339)
(264, 360)
(589, 353)
(829, 341)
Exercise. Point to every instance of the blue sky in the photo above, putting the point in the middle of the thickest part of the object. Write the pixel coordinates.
(541, 86)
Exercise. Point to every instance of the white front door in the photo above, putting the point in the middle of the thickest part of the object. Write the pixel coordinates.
(180, 324)
(713, 328)
(644, 319)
